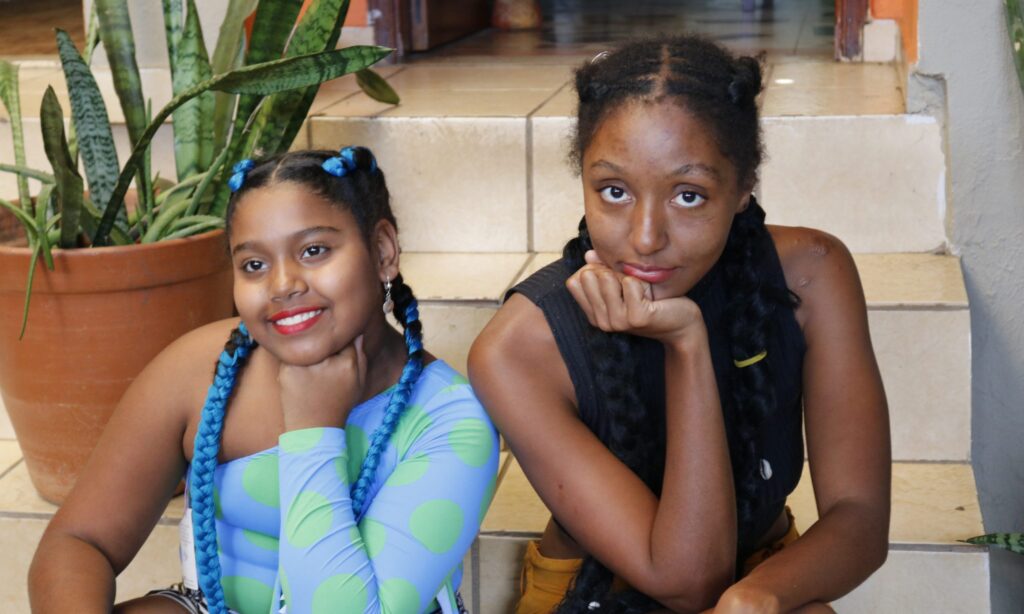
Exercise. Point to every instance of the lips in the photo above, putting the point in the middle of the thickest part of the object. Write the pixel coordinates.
(292, 321)
(650, 274)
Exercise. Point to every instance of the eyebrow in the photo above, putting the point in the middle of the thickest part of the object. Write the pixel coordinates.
(298, 235)
(686, 169)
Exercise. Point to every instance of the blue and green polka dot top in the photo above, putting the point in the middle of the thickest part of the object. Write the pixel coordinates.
(285, 527)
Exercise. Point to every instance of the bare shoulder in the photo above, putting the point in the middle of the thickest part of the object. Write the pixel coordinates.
(184, 368)
(818, 268)
(518, 343)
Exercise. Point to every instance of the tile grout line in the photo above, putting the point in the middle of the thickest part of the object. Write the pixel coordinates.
(529, 166)
(11, 468)
(474, 562)
(529, 184)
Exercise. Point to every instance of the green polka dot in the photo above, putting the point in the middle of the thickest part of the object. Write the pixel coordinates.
(437, 524)
(458, 381)
(485, 503)
(300, 441)
(260, 480)
(244, 594)
(413, 423)
(398, 595)
(260, 540)
(409, 471)
(341, 468)
(218, 513)
(358, 444)
(340, 593)
(374, 536)
(309, 519)
(472, 441)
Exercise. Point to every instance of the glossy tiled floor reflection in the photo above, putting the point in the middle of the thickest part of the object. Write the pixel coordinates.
(26, 26)
(584, 27)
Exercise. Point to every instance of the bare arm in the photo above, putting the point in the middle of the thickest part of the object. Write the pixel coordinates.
(126, 484)
(679, 550)
(847, 439)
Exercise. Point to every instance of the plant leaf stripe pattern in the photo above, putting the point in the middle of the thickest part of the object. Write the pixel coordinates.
(266, 78)
(288, 527)
(92, 126)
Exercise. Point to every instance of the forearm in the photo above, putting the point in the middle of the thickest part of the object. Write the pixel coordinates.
(695, 525)
(70, 575)
(836, 554)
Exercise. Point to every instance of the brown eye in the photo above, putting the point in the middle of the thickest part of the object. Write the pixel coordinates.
(614, 194)
(253, 266)
(689, 199)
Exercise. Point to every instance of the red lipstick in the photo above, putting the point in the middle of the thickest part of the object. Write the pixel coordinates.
(291, 321)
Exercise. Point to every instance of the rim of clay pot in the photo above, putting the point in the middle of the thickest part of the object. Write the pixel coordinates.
(116, 268)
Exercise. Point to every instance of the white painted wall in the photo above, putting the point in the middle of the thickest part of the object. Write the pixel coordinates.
(966, 73)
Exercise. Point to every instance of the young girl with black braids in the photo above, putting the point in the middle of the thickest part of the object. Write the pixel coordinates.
(332, 466)
(653, 381)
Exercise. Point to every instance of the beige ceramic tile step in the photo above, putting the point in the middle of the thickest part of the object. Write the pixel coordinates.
(920, 328)
(875, 181)
(934, 505)
(24, 516)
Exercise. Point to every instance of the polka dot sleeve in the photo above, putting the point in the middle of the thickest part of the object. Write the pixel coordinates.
(432, 488)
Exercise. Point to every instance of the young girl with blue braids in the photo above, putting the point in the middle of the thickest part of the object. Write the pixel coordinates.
(333, 465)
(654, 381)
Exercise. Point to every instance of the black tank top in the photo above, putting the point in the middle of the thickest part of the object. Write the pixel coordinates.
(780, 436)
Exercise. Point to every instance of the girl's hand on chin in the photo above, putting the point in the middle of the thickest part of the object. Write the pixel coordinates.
(323, 394)
(615, 302)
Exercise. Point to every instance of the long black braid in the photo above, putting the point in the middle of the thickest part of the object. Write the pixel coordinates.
(720, 90)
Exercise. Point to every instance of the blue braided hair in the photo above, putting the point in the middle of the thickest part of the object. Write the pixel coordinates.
(238, 173)
(364, 193)
(204, 463)
(407, 314)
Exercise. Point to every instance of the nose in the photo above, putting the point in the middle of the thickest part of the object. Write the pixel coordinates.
(286, 282)
(647, 232)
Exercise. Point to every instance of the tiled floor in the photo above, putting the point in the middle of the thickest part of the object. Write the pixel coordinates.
(26, 26)
(581, 28)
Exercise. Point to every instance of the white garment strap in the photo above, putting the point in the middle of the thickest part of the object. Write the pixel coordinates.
(187, 551)
(446, 599)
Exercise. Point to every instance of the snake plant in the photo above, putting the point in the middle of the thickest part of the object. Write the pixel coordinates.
(251, 97)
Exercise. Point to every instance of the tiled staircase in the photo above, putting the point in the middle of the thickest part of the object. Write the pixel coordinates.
(476, 160)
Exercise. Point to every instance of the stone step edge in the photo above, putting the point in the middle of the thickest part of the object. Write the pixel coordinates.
(519, 265)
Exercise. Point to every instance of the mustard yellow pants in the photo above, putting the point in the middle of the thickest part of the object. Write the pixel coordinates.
(543, 581)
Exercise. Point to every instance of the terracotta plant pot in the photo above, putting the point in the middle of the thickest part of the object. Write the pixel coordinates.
(95, 322)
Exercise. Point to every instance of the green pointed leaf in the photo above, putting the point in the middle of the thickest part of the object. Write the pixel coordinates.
(376, 87)
(266, 78)
(26, 220)
(92, 126)
(172, 29)
(1015, 23)
(275, 20)
(43, 206)
(227, 56)
(116, 34)
(1014, 542)
(193, 122)
(29, 173)
(281, 116)
(11, 99)
(69, 186)
(197, 228)
(28, 288)
(119, 43)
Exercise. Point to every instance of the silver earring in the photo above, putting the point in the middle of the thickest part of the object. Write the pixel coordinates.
(389, 305)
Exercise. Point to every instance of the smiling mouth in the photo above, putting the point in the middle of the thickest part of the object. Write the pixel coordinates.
(652, 275)
(295, 321)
